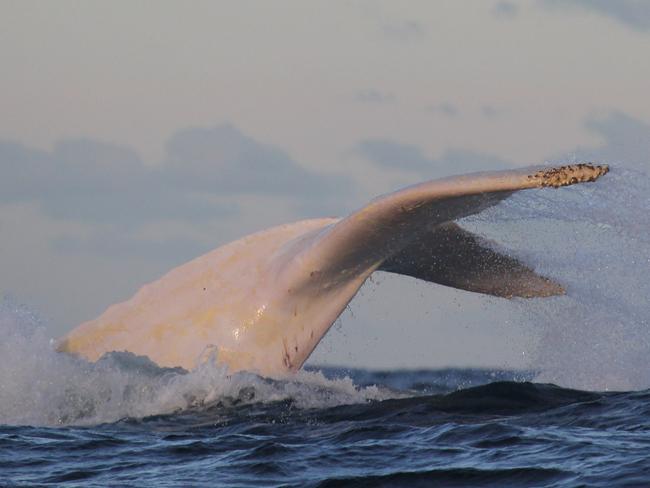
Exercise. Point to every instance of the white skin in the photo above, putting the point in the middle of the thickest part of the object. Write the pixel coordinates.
(263, 303)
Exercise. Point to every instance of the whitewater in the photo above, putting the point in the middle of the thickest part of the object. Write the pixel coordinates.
(578, 414)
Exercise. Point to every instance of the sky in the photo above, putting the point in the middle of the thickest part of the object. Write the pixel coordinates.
(136, 135)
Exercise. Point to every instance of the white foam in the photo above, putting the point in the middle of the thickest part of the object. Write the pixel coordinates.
(39, 386)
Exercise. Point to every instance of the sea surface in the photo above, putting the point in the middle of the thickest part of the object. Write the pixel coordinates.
(456, 427)
(578, 415)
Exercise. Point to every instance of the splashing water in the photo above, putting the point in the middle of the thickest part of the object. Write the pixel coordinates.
(39, 386)
(595, 240)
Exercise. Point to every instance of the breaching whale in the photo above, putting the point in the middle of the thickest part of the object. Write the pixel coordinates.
(263, 303)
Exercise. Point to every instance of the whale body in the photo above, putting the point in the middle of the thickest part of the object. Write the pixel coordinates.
(263, 302)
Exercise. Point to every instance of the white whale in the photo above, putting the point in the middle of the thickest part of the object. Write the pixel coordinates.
(263, 303)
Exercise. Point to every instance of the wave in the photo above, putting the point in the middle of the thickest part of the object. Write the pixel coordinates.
(39, 386)
(534, 476)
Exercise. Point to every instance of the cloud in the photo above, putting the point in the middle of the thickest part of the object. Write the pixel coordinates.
(626, 141)
(505, 10)
(223, 160)
(95, 182)
(632, 13)
(388, 154)
(396, 156)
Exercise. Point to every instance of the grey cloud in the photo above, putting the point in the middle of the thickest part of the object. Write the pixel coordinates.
(505, 10)
(406, 157)
(632, 13)
(225, 161)
(96, 182)
(394, 155)
(26, 173)
(626, 141)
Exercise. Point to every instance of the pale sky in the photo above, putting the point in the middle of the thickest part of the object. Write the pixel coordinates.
(136, 135)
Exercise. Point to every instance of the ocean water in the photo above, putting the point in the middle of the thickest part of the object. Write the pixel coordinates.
(579, 415)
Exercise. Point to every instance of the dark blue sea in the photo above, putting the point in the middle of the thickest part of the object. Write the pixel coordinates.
(125, 422)
(336, 427)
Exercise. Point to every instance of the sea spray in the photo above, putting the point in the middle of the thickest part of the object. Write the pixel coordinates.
(595, 240)
(39, 386)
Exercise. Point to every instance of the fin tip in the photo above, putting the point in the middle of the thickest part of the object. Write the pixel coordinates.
(558, 176)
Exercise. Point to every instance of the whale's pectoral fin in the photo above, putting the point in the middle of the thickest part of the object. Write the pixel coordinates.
(452, 256)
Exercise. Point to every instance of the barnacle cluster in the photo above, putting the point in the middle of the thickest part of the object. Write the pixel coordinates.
(569, 175)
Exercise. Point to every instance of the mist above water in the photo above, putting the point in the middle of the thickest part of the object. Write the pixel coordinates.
(595, 240)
